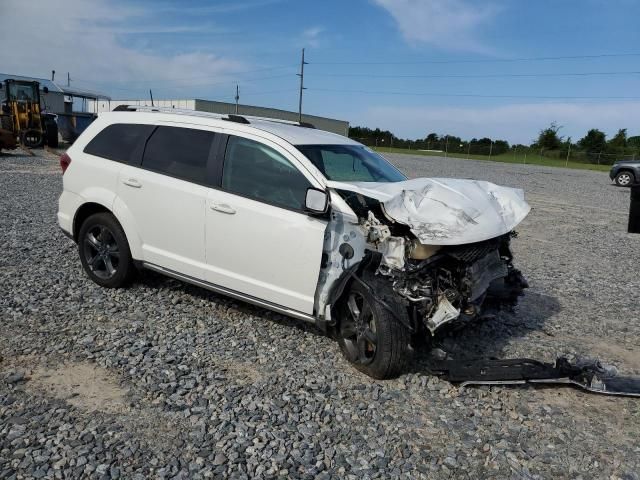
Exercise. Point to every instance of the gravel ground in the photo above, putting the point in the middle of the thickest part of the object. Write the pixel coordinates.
(166, 380)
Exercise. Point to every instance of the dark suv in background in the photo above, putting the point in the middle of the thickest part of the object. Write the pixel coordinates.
(625, 172)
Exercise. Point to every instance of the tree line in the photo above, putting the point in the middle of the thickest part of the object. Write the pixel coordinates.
(594, 147)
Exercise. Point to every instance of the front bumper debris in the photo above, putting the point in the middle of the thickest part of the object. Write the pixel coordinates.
(587, 374)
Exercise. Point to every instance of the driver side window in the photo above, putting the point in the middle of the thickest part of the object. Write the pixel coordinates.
(256, 171)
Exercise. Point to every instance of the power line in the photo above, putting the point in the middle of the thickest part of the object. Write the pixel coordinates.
(489, 75)
(140, 91)
(288, 90)
(428, 94)
(197, 84)
(495, 60)
(173, 80)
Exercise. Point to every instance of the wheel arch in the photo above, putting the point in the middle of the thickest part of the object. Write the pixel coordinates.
(91, 207)
(370, 261)
(85, 211)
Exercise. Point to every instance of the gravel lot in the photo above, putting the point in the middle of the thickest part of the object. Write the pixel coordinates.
(166, 380)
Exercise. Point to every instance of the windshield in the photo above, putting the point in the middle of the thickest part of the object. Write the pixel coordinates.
(22, 92)
(351, 163)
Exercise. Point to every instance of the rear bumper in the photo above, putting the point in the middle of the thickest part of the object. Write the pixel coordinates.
(67, 234)
(68, 205)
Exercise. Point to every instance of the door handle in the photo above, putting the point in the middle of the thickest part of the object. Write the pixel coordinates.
(223, 208)
(132, 182)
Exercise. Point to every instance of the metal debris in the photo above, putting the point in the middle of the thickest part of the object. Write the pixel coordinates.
(588, 374)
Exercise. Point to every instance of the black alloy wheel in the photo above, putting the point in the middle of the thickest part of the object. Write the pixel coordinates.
(104, 251)
(101, 252)
(372, 334)
(359, 330)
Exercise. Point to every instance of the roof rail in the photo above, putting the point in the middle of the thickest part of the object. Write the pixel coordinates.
(237, 118)
(244, 119)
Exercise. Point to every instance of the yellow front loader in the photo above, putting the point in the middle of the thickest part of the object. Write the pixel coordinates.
(21, 121)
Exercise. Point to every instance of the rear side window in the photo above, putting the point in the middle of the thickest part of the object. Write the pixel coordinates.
(179, 152)
(118, 141)
(256, 171)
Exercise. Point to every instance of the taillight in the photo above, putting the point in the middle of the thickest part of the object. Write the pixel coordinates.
(65, 161)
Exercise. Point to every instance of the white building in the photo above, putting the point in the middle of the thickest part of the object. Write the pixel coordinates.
(329, 124)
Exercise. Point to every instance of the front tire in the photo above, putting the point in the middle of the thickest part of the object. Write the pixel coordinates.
(370, 336)
(104, 251)
(624, 179)
(32, 138)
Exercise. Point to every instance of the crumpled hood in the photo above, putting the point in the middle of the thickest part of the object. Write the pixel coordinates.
(447, 211)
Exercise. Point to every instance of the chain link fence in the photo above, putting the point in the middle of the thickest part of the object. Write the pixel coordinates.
(499, 151)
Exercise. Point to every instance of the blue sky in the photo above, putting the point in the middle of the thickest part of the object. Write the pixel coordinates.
(411, 66)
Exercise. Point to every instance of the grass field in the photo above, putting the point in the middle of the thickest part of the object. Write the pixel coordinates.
(505, 158)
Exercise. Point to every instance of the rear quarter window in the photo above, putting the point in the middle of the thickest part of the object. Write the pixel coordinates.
(118, 141)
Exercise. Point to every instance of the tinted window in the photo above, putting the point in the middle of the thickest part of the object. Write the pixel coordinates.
(254, 170)
(179, 152)
(351, 163)
(118, 141)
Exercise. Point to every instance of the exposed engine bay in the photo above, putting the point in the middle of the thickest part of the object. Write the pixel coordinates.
(439, 282)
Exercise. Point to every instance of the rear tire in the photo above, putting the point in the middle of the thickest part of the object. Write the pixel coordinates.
(104, 251)
(370, 336)
(625, 179)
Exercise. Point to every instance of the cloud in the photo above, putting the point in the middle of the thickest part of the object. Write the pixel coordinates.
(446, 24)
(219, 7)
(517, 123)
(311, 36)
(91, 39)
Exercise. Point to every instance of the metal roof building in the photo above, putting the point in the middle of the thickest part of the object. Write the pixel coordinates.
(60, 99)
(323, 123)
(53, 100)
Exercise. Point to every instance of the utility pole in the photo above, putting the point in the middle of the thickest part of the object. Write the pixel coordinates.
(566, 164)
(468, 150)
(237, 97)
(301, 75)
(151, 96)
(53, 75)
(68, 79)
(490, 149)
(446, 146)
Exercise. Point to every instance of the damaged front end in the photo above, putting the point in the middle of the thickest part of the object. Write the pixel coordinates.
(454, 283)
(442, 245)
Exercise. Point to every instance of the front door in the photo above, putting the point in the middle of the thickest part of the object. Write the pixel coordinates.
(259, 240)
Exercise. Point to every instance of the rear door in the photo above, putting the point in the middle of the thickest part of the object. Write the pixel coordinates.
(166, 196)
(259, 240)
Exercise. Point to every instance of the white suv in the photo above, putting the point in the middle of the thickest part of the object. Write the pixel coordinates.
(301, 221)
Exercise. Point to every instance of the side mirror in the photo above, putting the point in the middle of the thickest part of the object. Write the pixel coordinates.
(316, 201)
(45, 89)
